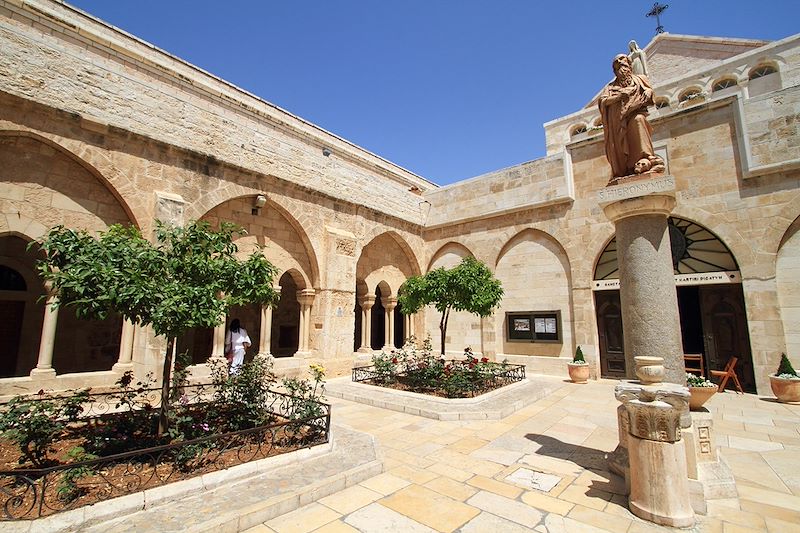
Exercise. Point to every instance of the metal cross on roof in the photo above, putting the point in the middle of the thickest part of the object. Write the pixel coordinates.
(656, 12)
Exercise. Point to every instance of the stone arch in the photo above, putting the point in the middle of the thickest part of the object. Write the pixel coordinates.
(535, 272)
(448, 255)
(787, 277)
(284, 242)
(86, 162)
(47, 184)
(386, 258)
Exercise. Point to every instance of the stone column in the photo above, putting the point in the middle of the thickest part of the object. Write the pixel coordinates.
(265, 334)
(366, 303)
(659, 485)
(389, 305)
(218, 341)
(639, 209)
(125, 360)
(408, 326)
(44, 365)
(306, 298)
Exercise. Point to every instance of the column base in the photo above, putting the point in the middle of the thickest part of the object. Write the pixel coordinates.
(365, 349)
(121, 368)
(43, 373)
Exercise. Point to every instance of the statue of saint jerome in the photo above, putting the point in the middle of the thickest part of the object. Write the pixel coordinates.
(623, 109)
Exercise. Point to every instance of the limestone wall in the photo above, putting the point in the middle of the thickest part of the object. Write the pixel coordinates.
(534, 184)
(57, 56)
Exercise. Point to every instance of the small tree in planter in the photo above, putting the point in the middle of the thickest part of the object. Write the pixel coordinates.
(469, 286)
(578, 368)
(785, 382)
(187, 279)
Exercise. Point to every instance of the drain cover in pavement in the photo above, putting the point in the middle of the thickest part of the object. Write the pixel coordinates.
(533, 480)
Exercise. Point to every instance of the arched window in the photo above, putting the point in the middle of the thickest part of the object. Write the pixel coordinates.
(724, 83)
(690, 94)
(577, 130)
(661, 103)
(11, 280)
(761, 71)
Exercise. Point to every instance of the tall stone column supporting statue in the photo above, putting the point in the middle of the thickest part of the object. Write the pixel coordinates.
(44, 365)
(389, 305)
(366, 303)
(650, 318)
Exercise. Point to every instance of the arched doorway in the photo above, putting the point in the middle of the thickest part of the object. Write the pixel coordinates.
(710, 303)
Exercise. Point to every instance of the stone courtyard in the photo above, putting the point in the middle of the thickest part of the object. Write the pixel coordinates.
(542, 468)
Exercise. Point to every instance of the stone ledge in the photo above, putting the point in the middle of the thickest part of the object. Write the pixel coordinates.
(494, 405)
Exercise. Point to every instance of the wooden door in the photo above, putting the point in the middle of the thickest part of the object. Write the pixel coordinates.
(725, 331)
(612, 340)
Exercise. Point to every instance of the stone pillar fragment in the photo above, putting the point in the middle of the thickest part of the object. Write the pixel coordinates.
(659, 485)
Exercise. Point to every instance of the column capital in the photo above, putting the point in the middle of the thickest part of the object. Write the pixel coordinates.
(306, 296)
(389, 303)
(654, 411)
(367, 301)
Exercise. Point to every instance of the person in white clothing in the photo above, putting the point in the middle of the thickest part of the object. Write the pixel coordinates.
(236, 343)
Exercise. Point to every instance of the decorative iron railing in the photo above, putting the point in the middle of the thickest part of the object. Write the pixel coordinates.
(32, 493)
(489, 376)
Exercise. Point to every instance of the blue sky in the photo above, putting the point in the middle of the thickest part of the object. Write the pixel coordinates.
(448, 89)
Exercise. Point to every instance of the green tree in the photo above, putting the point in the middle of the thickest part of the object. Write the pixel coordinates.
(187, 278)
(469, 286)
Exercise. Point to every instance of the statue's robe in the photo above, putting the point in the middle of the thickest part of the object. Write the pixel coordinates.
(625, 127)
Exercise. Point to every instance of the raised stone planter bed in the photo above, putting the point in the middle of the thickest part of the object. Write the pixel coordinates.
(494, 405)
(119, 480)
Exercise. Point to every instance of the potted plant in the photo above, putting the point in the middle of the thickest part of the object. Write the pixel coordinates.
(785, 382)
(578, 368)
(700, 390)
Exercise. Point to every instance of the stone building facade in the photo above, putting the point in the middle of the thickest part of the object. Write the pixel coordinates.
(98, 127)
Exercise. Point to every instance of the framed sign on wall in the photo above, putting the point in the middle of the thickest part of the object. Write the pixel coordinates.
(533, 326)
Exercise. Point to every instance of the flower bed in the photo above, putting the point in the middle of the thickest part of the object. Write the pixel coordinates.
(62, 452)
(417, 370)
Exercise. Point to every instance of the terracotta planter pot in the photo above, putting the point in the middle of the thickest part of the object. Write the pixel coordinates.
(578, 373)
(786, 390)
(699, 396)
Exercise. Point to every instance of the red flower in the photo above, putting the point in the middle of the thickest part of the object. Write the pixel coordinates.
(484, 359)
(471, 366)
(394, 360)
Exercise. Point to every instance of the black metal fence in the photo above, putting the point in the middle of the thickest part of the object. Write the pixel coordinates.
(32, 493)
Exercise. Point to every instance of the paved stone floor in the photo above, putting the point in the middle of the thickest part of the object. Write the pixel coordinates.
(452, 476)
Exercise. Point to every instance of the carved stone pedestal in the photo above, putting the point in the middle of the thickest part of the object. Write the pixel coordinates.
(657, 471)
